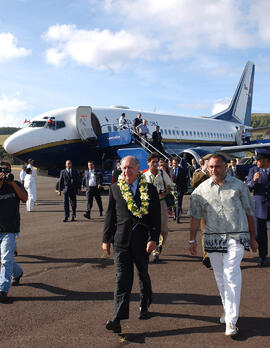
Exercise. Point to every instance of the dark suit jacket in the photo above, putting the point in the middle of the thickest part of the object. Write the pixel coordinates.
(156, 136)
(69, 182)
(98, 175)
(237, 173)
(120, 222)
(261, 192)
(180, 179)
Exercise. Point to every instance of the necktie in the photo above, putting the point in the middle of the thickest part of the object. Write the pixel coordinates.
(131, 188)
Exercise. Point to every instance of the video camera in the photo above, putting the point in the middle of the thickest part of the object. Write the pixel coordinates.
(7, 172)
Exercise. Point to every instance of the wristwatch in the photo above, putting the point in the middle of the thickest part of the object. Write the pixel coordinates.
(192, 241)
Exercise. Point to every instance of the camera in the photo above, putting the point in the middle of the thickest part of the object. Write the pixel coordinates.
(7, 172)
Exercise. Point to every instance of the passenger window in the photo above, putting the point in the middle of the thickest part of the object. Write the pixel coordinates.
(109, 128)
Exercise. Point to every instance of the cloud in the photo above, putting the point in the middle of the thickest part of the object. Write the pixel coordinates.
(184, 26)
(100, 49)
(12, 111)
(220, 105)
(9, 49)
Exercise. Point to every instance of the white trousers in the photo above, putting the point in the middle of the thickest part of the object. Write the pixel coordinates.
(228, 276)
(30, 203)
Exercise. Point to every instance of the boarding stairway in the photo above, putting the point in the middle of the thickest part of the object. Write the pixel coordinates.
(127, 142)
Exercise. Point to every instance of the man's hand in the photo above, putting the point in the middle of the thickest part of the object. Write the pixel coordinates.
(193, 249)
(99, 186)
(151, 246)
(253, 245)
(59, 193)
(106, 247)
(256, 176)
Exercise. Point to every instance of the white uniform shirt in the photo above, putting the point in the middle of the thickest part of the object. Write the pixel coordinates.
(22, 175)
(92, 178)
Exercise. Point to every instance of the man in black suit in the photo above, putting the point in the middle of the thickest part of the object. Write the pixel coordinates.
(157, 139)
(70, 184)
(134, 232)
(179, 177)
(92, 180)
(233, 170)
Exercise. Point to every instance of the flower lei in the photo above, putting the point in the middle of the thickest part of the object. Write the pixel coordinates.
(127, 195)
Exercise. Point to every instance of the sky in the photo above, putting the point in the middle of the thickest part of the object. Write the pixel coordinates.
(176, 56)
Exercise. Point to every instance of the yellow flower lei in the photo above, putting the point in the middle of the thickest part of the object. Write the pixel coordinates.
(127, 195)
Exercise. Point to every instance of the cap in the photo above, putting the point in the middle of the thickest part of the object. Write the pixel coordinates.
(262, 153)
(123, 114)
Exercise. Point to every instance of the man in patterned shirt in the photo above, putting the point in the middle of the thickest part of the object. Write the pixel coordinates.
(225, 204)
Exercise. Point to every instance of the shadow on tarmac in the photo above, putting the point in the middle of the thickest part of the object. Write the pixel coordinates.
(39, 259)
(249, 327)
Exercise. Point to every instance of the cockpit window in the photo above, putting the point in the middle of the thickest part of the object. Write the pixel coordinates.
(60, 124)
(37, 124)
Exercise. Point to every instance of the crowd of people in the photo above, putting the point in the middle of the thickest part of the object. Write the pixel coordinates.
(136, 221)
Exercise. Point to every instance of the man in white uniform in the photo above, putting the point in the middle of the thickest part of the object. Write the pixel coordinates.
(30, 186)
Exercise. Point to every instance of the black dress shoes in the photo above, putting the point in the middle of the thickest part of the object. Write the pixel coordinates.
(73, 218)
(113, 326)
(100, 214)
(143, 311)
(87, 216)
(206, 262)
(261, 261)
(65, 220)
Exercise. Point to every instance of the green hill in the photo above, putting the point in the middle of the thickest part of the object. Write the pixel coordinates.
(260, 120)
(5, 132)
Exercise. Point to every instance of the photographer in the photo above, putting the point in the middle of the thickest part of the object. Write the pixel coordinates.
(11, 192)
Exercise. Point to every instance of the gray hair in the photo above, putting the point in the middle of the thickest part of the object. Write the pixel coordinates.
(137, 163)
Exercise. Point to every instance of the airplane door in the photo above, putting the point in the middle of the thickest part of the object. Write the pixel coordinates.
(84, 123)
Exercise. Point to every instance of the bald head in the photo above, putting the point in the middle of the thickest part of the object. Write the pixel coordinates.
(130, 168)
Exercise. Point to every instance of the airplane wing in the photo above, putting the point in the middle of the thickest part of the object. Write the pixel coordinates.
(243, 148)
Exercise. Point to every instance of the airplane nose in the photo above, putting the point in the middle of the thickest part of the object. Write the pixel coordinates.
(14, 143)
(9, 145)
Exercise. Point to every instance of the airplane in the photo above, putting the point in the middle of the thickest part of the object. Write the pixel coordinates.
(84, 133)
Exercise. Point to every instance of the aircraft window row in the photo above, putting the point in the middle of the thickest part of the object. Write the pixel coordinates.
(197, 134)
(112, 129)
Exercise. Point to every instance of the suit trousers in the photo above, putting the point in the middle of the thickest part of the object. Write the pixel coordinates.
(228, 276)
(164, 226)
(178, 209)
(92, 192)
(262, 237)
(70, 195)
(124, 264)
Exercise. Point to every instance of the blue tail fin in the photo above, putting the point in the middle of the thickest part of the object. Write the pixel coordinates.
(239, 110)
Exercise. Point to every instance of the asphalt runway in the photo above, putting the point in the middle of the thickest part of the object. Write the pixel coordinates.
(66, 293)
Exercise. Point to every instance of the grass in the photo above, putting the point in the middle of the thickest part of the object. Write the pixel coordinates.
(3, 137)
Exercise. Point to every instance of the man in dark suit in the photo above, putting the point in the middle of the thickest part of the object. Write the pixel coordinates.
(179, 177)
(157, 139)
(70, 184)
(233, 170)
(132, 224)
(92, 180)
(258, 180)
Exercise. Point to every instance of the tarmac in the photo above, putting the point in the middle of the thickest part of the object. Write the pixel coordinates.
(66, 293)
